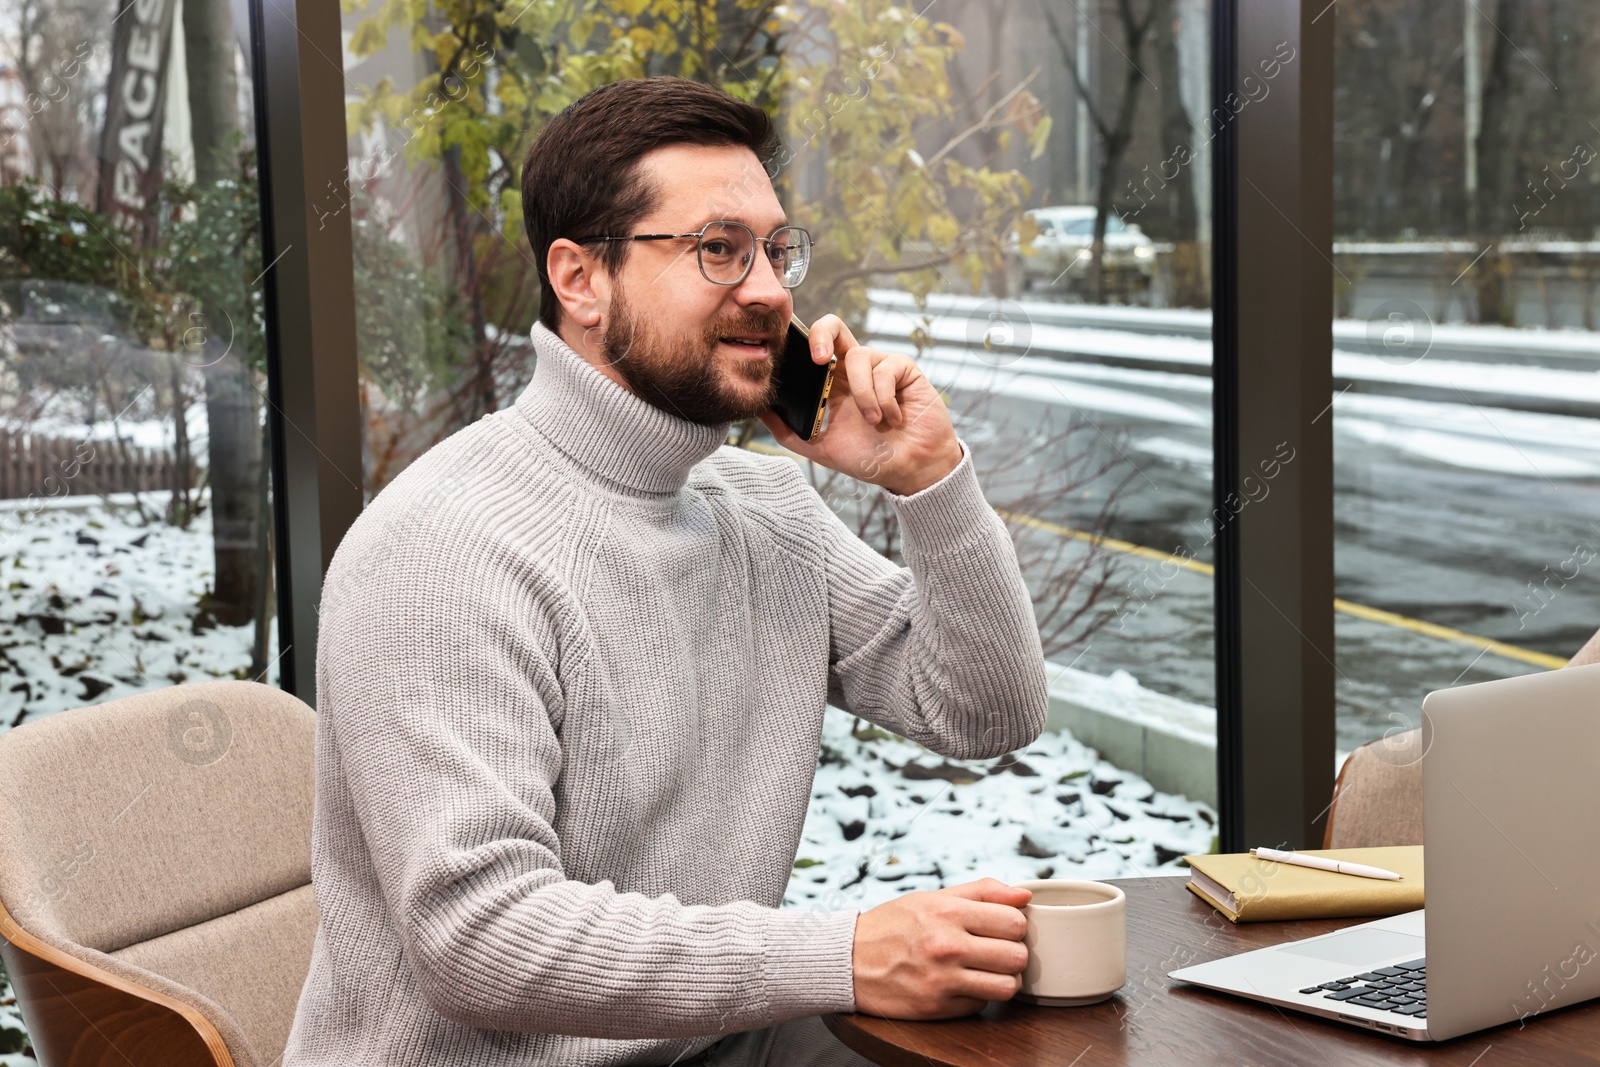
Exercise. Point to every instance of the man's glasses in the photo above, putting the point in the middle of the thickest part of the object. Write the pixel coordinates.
(727, 249)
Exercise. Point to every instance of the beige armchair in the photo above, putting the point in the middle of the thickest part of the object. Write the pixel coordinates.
(1377, 799)
(155, 876)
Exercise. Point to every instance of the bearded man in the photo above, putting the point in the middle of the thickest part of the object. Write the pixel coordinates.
(574, 660)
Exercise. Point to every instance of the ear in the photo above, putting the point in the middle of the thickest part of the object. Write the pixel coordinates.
(580, 283)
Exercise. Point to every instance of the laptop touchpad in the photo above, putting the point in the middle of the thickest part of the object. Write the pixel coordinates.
(1358, 947)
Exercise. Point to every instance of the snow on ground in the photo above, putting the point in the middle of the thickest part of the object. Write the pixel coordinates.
(956, 336)
(154, 434)
(956, 342)
(1478, 437)
(888, 816)
(97, 606)
(892, 309)
(13, 1033)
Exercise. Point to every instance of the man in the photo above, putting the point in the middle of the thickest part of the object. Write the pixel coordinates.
(574, 660)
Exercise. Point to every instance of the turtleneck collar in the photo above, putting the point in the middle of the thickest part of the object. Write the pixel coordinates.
(607, 430)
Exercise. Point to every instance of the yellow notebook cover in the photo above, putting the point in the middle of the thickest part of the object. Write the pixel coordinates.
(1247, 889)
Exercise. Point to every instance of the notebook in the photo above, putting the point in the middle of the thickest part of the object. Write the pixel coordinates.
(1247, 889)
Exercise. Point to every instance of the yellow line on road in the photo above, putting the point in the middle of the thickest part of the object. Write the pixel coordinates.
(1445, 633)
(1128, 547)
(1360, 611)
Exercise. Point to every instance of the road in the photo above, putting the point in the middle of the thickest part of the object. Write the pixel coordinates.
(1475, 516)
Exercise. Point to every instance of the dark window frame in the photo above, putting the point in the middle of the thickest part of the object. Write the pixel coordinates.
(313, 411)
(1272, 388)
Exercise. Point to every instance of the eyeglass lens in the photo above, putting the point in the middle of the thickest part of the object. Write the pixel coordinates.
(726, 253)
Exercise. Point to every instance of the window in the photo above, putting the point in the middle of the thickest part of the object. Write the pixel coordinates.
(1464, 348)
(1101, 470)
(913, 184)
(135, 510)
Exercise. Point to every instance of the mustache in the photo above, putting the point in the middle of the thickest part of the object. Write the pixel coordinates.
(769, 324)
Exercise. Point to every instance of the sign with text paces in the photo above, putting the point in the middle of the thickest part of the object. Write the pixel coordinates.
(136, 93)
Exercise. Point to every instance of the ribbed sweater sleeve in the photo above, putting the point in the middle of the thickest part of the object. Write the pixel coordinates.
(945, 650)
(443, 702)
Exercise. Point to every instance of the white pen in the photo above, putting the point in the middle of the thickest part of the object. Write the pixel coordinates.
(1323, 863)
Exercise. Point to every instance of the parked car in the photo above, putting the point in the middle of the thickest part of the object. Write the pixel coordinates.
(1062, 252)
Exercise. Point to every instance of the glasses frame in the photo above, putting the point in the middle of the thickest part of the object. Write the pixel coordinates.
(699, 249)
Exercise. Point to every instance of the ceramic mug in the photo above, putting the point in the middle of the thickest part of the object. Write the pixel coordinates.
(1077, 942)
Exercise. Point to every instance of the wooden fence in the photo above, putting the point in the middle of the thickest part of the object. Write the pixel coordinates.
(34, 465)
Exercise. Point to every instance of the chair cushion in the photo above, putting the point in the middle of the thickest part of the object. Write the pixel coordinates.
(251, 962)
(1377, 800)
(125, 821)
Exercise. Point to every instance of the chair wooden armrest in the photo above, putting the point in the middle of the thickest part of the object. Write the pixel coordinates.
(58, 993)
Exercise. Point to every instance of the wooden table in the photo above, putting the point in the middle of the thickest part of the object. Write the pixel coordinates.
(1155, 1020)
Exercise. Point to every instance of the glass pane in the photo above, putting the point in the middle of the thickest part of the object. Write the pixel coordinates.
(953, 176)
(1101, 465)
(135, 510)
(1467, 451)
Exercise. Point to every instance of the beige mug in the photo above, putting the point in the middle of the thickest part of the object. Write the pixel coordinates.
(1077, 942)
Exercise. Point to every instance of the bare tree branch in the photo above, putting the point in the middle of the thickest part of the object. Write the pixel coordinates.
(1069, 56)
(984, 121)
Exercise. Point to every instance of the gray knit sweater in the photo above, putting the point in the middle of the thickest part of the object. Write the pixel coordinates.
(572, 670)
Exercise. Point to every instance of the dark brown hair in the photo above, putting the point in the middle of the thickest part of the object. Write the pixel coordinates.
(581, 174)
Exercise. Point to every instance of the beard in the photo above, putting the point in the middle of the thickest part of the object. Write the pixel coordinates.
(690, 376)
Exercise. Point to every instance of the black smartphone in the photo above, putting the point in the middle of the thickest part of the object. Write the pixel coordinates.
(803, 384)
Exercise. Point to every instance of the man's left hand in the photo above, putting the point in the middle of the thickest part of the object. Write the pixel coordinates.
(887, 424)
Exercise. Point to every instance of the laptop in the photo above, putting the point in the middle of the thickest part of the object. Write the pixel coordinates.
(1511, 828)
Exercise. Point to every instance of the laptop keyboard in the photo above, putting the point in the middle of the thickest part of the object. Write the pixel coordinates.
(1401, 989)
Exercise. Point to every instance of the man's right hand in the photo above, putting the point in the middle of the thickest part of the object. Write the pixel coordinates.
(942, 953)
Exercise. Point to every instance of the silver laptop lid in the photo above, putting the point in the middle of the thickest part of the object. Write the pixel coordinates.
(1511, 817)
